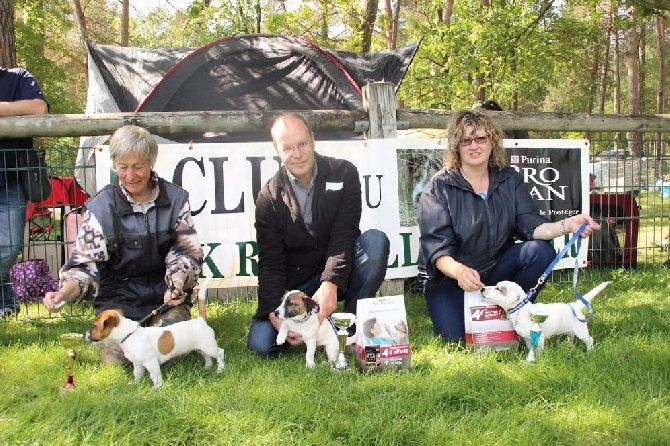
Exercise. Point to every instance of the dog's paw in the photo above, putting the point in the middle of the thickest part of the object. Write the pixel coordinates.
(280, 341)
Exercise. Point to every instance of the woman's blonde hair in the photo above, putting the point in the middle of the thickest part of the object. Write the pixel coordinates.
(478, 118)
(133, 140)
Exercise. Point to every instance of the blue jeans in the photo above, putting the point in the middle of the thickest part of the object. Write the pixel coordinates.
(12, 223)
(371, 253)
(522, 263)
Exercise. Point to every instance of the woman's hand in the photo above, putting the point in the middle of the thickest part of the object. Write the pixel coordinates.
(572, 224)
(174, 297)
(54, 300)
(468, 279)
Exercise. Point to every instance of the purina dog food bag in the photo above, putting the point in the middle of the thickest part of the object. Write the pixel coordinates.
(486, 325)
(382, 337)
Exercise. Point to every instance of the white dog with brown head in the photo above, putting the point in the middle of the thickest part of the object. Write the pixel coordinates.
(299, 313)
(149, 347)
(563, 318)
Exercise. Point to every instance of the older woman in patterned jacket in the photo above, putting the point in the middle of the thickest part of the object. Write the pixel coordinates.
(137, 247)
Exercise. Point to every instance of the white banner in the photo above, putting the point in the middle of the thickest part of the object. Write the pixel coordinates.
(223, 181)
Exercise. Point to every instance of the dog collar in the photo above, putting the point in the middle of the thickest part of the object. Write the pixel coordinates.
(518, 306)
(129, 334)
(307, 316)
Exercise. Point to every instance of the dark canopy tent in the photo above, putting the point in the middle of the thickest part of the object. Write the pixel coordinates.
(246, 73)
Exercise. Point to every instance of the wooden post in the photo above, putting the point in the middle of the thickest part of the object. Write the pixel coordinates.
(379, 102)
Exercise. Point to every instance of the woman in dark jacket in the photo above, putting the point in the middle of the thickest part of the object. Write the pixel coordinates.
(137, 247)
(469, 215)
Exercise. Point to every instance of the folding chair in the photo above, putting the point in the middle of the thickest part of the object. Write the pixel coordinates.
(40, 224)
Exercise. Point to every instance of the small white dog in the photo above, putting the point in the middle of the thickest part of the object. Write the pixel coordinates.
(149, 347)
(562, 317)
(299, 313)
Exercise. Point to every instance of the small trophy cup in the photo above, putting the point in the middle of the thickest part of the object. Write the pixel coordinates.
(70, 341)
(342, 321)
(535, 333)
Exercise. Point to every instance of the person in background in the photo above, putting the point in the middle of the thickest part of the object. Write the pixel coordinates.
(307, 229)
(137, 247)
(20, 95)
(470, 213)
(510, 134)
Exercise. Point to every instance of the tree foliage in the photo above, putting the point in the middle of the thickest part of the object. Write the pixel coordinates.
(529, 55)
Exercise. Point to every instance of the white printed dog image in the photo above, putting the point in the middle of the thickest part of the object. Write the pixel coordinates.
(563, 318)
(149, 347)
(299, 313)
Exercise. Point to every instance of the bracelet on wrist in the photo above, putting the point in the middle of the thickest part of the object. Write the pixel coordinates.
(563, 230)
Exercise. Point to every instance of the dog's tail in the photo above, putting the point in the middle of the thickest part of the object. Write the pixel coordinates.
(593, 293)
(202, 297)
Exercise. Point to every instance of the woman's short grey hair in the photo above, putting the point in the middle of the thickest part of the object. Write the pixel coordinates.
(133, 140)
(477, 117)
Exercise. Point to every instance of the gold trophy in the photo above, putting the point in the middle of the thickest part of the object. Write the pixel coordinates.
(342, 321)
(70, 341)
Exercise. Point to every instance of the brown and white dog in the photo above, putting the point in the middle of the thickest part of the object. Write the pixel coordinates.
(299, 313)
(562, 317)
(149, 347)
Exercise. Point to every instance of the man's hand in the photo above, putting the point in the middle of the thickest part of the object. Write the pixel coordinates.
(292, 337)
(326, 297)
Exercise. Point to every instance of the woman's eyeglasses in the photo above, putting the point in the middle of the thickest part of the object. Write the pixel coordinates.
(478, 139)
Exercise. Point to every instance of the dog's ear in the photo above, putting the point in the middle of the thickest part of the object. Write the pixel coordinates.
(310, 304)
(112, 320)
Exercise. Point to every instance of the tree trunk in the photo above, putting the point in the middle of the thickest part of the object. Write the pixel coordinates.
(660, 95)
(81, 21)
(480, 78)
(197, 26)
(633, 68)
(325, 11)
(642, 62)
(447, 12)
(368, 24)
(125, 20)
(259, 16)
(604, 70)
(617, 82)
(7, 36)
(392, 12)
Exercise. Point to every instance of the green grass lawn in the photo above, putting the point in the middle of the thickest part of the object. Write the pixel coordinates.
(618, 394)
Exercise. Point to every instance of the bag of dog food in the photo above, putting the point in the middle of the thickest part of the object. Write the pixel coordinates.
(382, 337)
(486, 325)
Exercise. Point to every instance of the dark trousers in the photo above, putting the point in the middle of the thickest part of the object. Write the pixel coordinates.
(522, 263)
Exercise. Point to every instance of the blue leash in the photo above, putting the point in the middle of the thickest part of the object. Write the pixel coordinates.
(531, 293)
